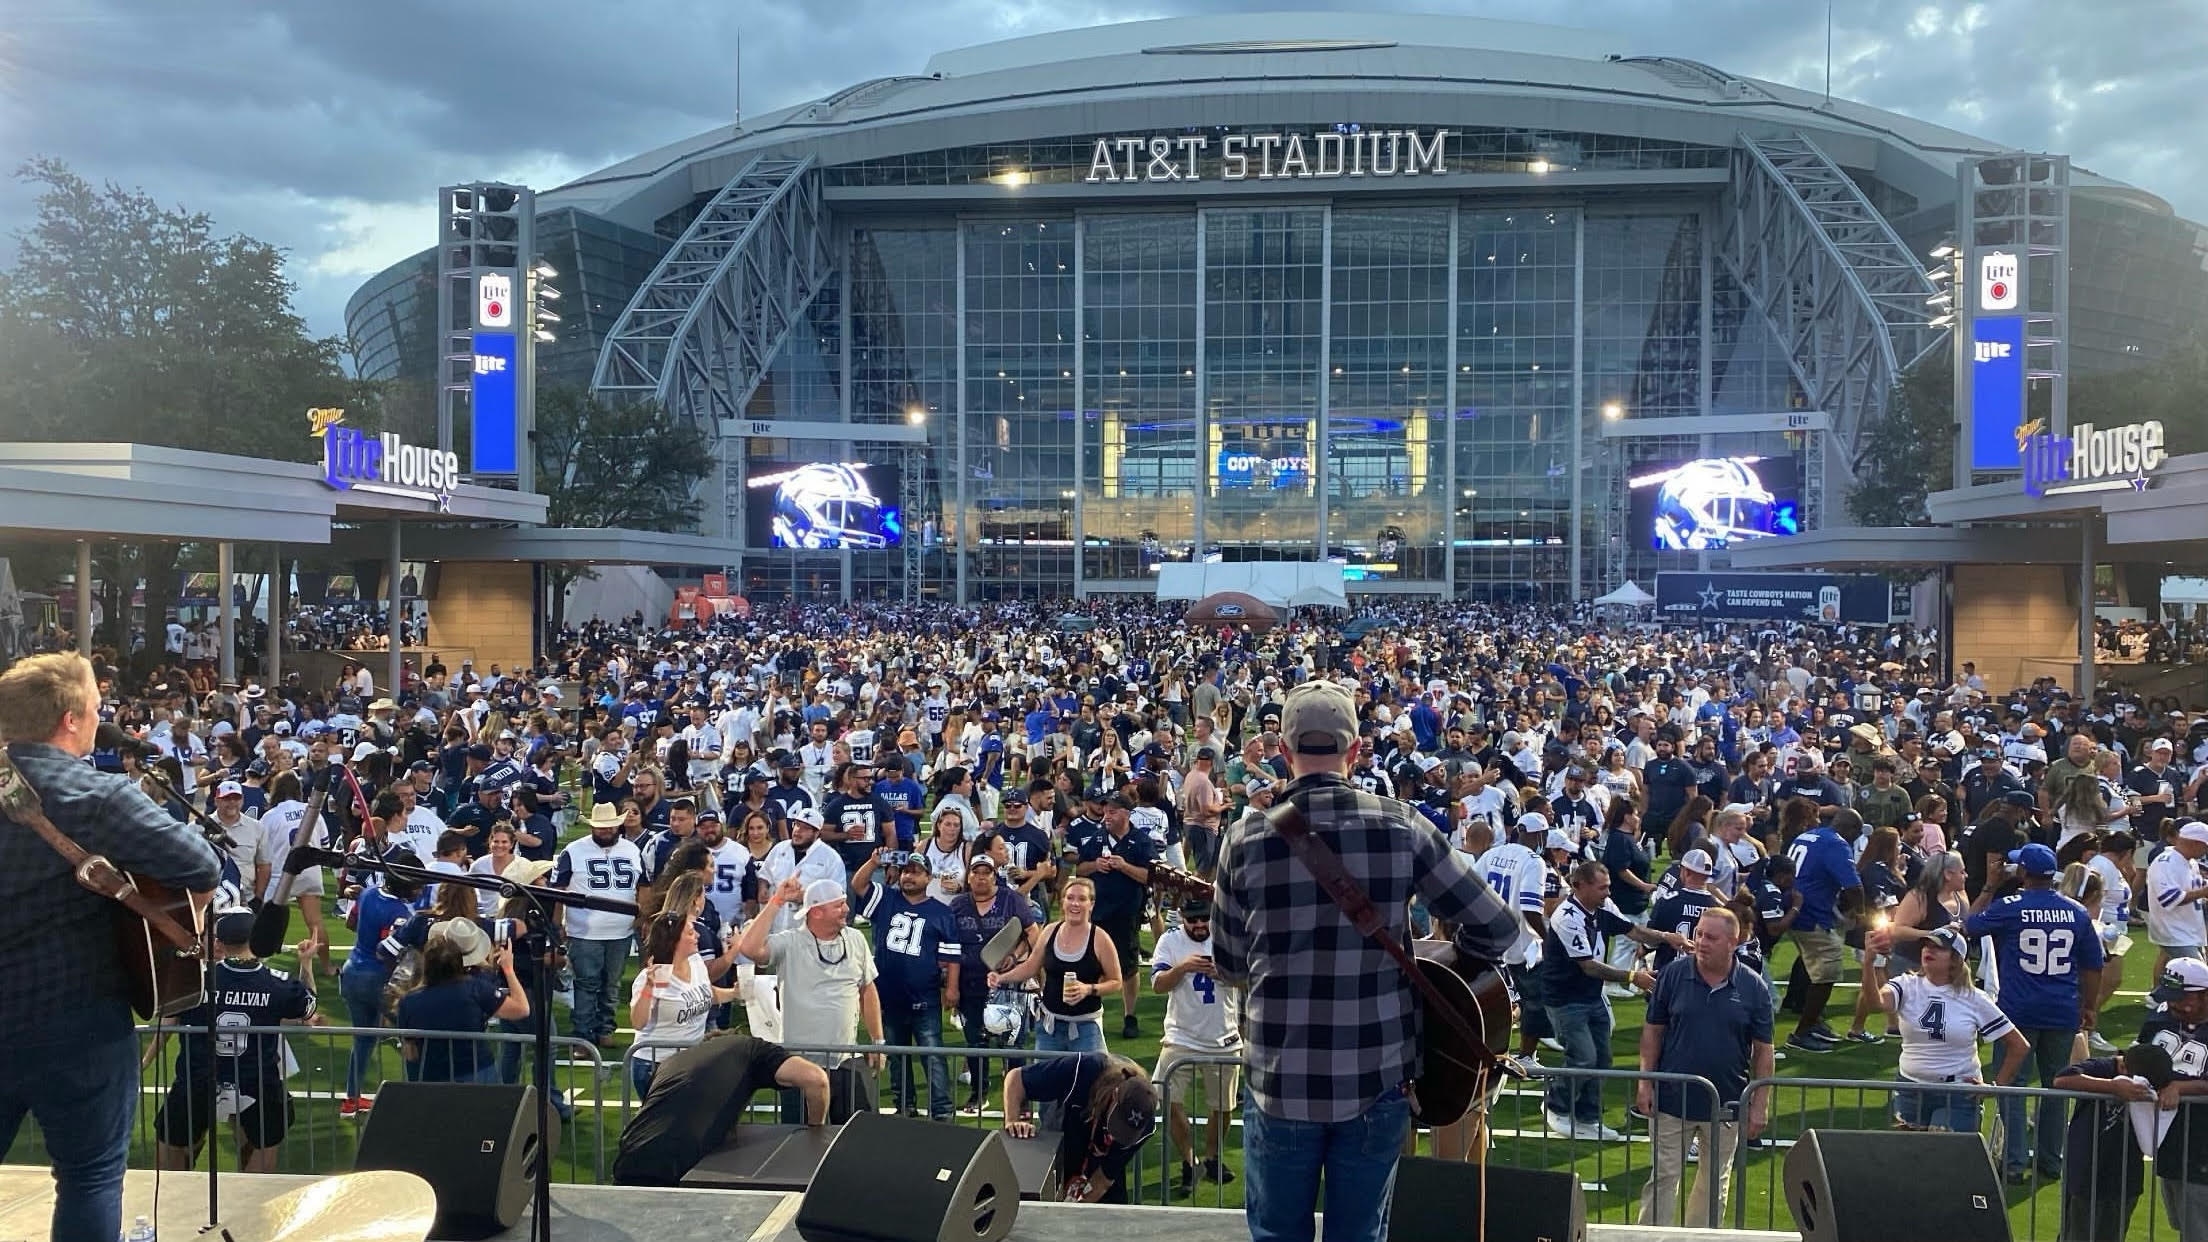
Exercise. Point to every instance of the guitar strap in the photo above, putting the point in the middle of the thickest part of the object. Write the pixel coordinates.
(93, 871)
(1326, 867)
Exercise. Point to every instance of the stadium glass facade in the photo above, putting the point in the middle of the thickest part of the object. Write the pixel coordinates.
(1131, 345)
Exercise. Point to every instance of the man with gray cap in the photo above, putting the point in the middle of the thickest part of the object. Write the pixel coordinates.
(1330, 1022)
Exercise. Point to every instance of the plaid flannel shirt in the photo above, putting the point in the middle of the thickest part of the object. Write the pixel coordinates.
(1330, 1023)
(60, 977)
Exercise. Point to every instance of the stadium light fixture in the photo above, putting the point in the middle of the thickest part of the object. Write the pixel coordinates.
(1943, 321)
(1613, 410)
(545, 270)
(916, 416)
(1945, 250)
(1538, 167)
(545, 338)
(1942, 298)
(1940, 273)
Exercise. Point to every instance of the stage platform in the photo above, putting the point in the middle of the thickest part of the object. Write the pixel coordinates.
(628, 1214)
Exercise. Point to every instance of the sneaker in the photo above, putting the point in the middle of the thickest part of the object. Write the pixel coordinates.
(1185, 1184)
(1217, 1170)
(1128, 1029)
(1608, 1135)
(1558, 1124)
(2099, 1043)
(1634, 1111)
(349, 1107)
(973, 1105)
(1825, 1033)
(1550, 1042)
(1862, 1037)
(1807, 1041)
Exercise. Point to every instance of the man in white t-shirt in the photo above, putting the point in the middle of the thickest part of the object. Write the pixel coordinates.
(805, 856)
(704, 741)
(248, 843)
(1197, 1021)
(2175, 889)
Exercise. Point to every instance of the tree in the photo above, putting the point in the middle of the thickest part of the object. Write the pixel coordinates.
(1911, 452)
(613, 466)
(128, 321)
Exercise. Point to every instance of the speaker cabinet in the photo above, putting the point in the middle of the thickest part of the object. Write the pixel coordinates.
(477, 1145)
(901, 1179)
(1876, 1185)
(1439, 1201)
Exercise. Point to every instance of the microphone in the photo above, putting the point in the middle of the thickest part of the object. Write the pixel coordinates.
(112, 736)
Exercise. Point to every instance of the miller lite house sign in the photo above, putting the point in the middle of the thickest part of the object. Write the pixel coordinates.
(2089, 459)
(1269, 157)
(381, 463)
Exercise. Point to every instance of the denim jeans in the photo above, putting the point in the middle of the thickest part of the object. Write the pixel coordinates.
(1938, 1110)
(509, 1062)
(1285, 1160)
(1069, 1036)
(641, 1073)
(84, 1095)
(1584, 1029)
(362, 988)
(920, 1028)
(2051, 1050)
(597, 965)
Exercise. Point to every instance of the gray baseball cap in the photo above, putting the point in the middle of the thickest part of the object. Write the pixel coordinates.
(1318, 718)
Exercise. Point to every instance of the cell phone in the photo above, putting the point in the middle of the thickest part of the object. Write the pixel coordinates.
(502, 931)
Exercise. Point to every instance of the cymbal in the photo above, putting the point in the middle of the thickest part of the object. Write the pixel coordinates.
(380, 1206)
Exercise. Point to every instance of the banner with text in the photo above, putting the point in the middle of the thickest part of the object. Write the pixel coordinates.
(1824, 599)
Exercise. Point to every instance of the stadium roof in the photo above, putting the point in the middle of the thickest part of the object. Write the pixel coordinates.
(1290, 69)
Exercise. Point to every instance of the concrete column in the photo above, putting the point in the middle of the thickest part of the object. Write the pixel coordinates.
(393, 668)
(84, 598)
(2088, 552)
(272, 668)
(226, 613)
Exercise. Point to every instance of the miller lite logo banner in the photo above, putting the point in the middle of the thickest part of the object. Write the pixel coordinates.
(494, 300)
(1997, 273)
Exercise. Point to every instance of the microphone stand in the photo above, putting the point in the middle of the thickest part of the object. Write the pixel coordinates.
(220, 839)
(541, 901)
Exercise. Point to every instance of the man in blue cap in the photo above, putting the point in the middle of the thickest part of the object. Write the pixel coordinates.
(2047, 952)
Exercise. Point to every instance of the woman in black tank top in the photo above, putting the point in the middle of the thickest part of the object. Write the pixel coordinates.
(1080, 967)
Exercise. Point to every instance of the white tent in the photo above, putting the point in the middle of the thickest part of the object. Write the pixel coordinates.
(1282, 584)
(1628, 596)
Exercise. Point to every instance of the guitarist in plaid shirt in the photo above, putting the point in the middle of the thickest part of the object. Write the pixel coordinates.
(1330, 1023)
(72, 1057)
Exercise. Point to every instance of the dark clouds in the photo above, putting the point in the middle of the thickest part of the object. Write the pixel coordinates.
(325, 127)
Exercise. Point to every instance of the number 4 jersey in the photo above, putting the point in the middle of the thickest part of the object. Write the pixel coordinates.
(595, 870)
(1195, 1013)
(2041, 940)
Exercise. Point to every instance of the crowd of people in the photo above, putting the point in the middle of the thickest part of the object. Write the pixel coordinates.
(826, 815)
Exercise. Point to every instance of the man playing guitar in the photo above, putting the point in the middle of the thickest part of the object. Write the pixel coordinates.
(1331, 1019)
(64, 993)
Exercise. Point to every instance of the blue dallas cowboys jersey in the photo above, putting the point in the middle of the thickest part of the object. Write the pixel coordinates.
(2041, 940)
(243, 995)
(913, 941)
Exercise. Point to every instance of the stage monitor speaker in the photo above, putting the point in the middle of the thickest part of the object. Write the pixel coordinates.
(900, 1179)
(1873, 1185)
(1439, 1201)
(476, 1144)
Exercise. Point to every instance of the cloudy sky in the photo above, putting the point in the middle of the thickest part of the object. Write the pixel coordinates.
(326, 126)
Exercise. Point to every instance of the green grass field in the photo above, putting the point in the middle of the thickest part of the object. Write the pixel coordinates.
(1611, 1174)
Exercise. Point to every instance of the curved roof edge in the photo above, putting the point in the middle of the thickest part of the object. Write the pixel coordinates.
(1271, 32)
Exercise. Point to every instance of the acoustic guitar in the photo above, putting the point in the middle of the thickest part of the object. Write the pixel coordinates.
(1459, 1065)
(159, 931)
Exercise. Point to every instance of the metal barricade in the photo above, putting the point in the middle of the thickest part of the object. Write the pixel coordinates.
(316, 1059)
(2035, 1207)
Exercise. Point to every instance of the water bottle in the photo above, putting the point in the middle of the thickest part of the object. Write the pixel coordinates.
(141, 1230)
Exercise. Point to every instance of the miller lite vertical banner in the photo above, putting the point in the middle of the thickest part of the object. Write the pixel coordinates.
(493, 435)
(1997, 372)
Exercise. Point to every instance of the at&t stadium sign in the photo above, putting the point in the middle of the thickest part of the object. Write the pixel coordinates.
(2089, 459)
(1269, 157)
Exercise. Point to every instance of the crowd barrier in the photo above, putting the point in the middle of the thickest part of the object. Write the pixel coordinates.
(1614, 1173)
